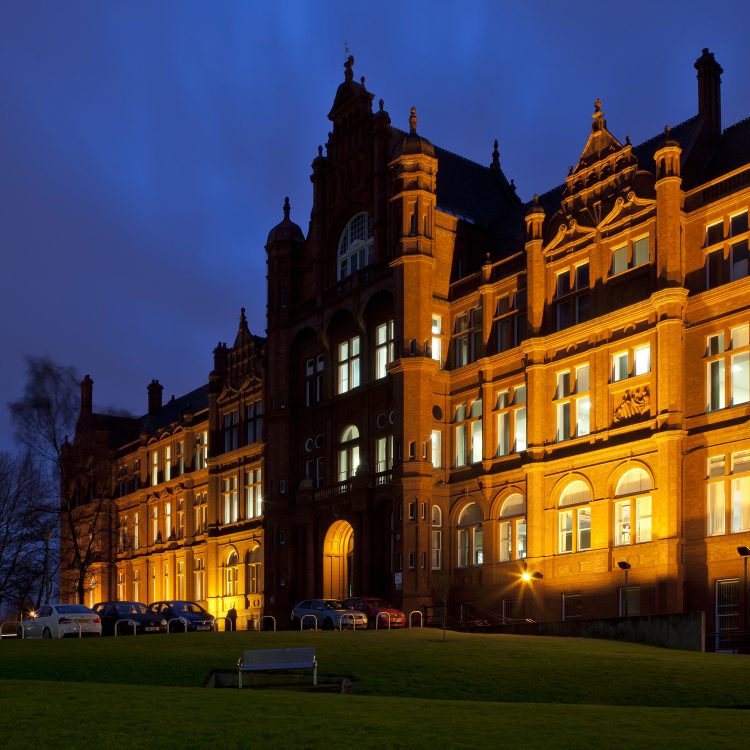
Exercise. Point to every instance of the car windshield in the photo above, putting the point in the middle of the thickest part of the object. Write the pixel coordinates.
(333, 604)
(192, 607)
(72, 609)
(131, 608)
(379, 604)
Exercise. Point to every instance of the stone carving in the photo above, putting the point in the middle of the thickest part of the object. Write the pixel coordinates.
(635, 403)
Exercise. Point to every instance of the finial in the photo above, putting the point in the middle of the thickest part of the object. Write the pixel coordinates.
(487, 258)
(536, 200)
(380, 104)
(413, 120)
(513, 185)
(597, 106)
(627, 140)
(570, 169)
(495, 156)
(348, 65)
(667, 131)
(362, 81)
(243, 319)
(286, 208)
(320, 151)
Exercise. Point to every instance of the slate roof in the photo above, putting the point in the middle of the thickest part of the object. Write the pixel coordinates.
(732, 151)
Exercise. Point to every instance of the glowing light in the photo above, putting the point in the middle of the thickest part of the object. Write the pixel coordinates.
(526, 576)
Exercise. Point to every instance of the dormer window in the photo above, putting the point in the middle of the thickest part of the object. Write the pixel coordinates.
(355, 246)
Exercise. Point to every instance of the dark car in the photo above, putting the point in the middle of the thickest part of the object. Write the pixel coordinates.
(387, 615)
(193, 616)
(113, 613)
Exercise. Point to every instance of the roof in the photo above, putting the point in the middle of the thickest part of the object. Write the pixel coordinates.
(732, 151)
(173, 410)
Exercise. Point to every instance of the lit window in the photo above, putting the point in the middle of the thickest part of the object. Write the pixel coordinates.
(572, 296)
(348, 453)
(437, 538)
(574, 524)
(636, 484)
(383, 348)
(511, 421)
(728, 371)
(470, 546)
(355, 246)
(630, 255)
(253, 494)
(199, 579)
(572, 411)
(348, 361)
(253, 578)
(384, 453)
(437, 448)
(437, 339)
(230, 571)
(510, 320)
(513, 528)
(230, 500)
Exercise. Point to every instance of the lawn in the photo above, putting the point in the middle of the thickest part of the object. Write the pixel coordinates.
(411, 689)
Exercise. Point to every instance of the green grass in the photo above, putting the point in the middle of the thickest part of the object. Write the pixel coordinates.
(411, 689)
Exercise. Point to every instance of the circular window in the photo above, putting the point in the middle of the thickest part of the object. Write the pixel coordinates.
(392, 417)
(437, 413)
(381, 421)
(318, 441)
(309, 444)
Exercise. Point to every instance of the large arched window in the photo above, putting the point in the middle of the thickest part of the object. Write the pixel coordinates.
(574, 524)
(513, 528)
(470, 547)
(348, 453)
(355, 246)
(253, 577)
(437, 538)
(635, 487)
(230, 581)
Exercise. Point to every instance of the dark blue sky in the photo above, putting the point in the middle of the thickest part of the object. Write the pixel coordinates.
(146, 147)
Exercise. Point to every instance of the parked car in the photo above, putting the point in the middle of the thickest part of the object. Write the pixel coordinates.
(61, 621)
(329, 613)
(196, 618)
(375, 607)
(145, 620)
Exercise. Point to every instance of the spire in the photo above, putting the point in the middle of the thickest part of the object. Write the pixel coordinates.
(495, 158)
(348, 68)
(243, 319)
(287, 209)
(599, 122)
(413, 120)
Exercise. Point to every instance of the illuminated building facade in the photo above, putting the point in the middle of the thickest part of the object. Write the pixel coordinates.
(459, 387)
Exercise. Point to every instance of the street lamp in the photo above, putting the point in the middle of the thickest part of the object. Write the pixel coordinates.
(622, 565)
(744, 552)
(527, 577)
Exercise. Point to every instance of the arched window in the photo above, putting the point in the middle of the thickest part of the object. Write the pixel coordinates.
(348, 453)
(230, 584)
(437, 538)
(355, 246)
(253, 578)
(470, 548)
(635, 483)
(513, 528)
(574, 525)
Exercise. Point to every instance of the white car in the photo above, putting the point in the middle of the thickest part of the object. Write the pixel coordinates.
(61, 620)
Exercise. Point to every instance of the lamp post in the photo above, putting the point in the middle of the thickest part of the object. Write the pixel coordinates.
(622, 565)
(527, 577)
(744, 552)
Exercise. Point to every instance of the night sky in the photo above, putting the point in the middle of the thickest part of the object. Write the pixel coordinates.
(146, 147)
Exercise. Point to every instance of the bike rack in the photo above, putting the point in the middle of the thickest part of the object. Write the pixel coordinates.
(347, 617)
(226, 620)
(273, 620)
(129, 622)
(177, 619)
(14, 634)
(72, 622)
(383, 614)
(304, 617)
(421, 617)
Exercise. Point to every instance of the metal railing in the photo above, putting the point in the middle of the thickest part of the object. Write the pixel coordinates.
(304, 617)
(226, 620)
(177, 619)
(348, 618)
(129, 622)
(272, 619)
(14, 634)
(382, 614)
(416, 612)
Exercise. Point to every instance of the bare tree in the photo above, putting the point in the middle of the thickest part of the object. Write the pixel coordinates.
(24, 560)
(44, 418)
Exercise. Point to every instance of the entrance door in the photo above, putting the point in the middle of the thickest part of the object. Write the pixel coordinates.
(338, 561)
(727, 614)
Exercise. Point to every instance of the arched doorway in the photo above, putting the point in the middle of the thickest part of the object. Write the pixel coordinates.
(338, 561)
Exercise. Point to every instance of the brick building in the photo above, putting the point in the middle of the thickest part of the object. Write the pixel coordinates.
(460, 387)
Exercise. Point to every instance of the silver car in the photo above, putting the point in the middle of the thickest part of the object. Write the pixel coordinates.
(329, 614)
(61, 620)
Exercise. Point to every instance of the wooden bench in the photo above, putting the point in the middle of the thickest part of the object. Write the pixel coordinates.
(275, 659)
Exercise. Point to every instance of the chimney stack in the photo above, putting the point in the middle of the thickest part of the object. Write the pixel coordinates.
(87, 396)
(155, 389)
(709, 91)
